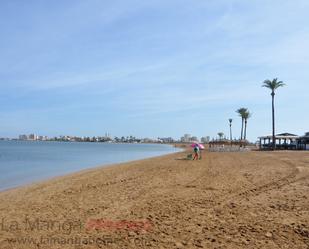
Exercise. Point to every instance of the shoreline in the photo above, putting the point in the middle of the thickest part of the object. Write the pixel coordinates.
(226, 200)
(85, 170)
(41, 177)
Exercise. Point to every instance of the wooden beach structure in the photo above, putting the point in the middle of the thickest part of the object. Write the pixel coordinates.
(285, 141)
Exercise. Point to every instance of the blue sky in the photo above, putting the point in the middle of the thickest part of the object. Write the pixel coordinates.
(151, 68)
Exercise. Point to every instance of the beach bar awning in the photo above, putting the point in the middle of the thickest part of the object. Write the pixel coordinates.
(281, 136)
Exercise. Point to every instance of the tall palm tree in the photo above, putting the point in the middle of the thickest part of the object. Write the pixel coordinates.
(231, 136)
(241, 112)
(273, 85)
(247, 115)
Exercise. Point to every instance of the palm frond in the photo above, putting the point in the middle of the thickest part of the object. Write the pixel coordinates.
(242, 111)
(273, 84)
(247, 115)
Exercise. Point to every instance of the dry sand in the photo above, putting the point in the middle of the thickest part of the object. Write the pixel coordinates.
(226, 200)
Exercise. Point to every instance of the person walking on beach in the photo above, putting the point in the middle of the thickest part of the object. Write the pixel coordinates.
(196, 152)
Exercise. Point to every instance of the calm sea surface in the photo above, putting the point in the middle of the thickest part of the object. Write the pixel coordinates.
(23, 162)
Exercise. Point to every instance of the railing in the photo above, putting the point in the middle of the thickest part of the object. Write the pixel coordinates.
(229, 149)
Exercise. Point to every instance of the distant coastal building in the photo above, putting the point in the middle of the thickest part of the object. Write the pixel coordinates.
(32, 137)
(194, 139)
(187, 138)
(147, 140)
(42, 138)
(205, 140)
(166, 140)
(104, 139)
(23, 137)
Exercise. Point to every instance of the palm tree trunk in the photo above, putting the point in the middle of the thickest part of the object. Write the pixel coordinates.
(231, 136)
(273, 119)
(245, 133)
(242, 129)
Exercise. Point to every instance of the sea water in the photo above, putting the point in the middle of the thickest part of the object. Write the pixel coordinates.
(23, 162)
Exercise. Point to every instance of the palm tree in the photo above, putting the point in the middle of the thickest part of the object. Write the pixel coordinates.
(241, 112)
(230, 121)
(220, 134)
(247, 115)
(273, 85)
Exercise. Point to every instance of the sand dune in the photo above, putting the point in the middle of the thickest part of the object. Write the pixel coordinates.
(226, 200)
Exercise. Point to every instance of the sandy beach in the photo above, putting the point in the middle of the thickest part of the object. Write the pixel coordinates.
(225, 200)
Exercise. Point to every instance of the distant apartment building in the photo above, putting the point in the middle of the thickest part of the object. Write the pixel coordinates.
(42, 138)
(166, 140)
(205, 140)
(186, 138)
(23, 137)
(194, 139)
(32, 137)
(65, 138)
(147, 140)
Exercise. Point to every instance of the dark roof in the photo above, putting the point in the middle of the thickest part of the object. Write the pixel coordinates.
(286, 134)
(281, 136)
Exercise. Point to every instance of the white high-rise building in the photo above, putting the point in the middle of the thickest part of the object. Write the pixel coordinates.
(186, 138)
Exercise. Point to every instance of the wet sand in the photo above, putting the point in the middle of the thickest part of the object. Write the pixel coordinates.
(225, 200)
